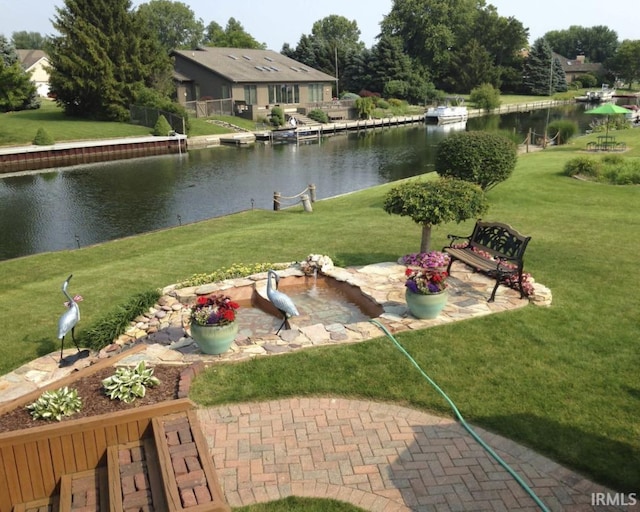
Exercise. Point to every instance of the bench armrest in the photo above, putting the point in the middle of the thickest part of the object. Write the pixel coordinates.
(455, 238)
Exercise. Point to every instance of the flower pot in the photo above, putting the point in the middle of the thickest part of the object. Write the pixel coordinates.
(214, 339)
(426, 306)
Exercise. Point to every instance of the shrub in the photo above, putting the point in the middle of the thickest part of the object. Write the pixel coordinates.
(620, 171)
(588, 80)
(396, 88)
(483, 158)
(384, 104)
(129, 383)
(365, 107)
(43, 138)
(349, 96)
(583, 166)
(485, 96)
(318, 115)
(277, 116)
(116, 321)
(53, 405)
(162, 127)
(563, 129)
(396, 103)
(233, 272)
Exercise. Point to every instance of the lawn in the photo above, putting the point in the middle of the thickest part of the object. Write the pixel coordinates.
(563, 380)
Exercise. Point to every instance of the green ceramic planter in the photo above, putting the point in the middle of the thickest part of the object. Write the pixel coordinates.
(214, 339)
(426, 306)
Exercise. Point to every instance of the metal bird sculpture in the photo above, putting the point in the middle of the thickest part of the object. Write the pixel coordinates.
(281, 301)
(67, 322)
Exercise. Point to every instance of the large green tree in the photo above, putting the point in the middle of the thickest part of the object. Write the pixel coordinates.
(597, 44)
(543, 73)
(232, 36)
(333, 44)
(17, 91)
(28, 40)
(626, 62)
(104, 56)
(462, 43)
(174, 23)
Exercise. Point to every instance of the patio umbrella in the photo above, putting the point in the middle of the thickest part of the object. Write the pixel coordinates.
(608, 109)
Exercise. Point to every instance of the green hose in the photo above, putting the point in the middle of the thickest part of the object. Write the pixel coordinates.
(466, 426)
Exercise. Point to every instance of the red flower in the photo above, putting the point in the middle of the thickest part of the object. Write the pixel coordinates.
(228, 314)
(233, 305)
(202, 300)
(408, 272)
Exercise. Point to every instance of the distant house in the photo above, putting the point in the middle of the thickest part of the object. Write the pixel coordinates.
(574, 69)
(36, 61)
(250, 81)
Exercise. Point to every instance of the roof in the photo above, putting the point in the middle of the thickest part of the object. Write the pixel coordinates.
(249, 65)
(28, 58)
(577, 65)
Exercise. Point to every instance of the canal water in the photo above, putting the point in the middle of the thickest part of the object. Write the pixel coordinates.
(67, 208)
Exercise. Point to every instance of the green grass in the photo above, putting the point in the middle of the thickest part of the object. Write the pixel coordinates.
(563, 380)
(297, 504)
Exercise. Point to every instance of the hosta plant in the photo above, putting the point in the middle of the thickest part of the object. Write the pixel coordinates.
(127, 384)
(53, 405)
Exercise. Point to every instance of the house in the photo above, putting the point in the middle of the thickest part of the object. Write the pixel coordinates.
(574, 69)
(250, 82)
(36, 62)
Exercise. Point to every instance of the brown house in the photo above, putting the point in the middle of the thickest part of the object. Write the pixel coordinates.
(574, 69)
(250, 81)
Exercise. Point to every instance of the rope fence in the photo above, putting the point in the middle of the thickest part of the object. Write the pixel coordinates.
(306, 197)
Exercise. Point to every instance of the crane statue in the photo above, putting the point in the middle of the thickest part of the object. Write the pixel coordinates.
(281, 301)
(67, 322)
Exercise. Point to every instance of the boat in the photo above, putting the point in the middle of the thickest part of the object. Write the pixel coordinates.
(598, 96)
(634, 114)
(447, 128)
(444, 114)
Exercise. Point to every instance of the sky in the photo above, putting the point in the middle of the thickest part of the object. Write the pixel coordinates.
(276, 23)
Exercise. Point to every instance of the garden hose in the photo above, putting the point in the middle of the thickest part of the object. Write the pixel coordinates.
(466, 426)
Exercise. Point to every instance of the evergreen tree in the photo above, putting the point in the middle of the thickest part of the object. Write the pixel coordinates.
(103, 57)
(543, 73)
(17, 91)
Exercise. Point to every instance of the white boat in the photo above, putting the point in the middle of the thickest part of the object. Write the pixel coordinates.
(444, 114)
(604, 94)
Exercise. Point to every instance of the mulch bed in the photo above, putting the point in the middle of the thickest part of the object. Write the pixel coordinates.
(95, 402)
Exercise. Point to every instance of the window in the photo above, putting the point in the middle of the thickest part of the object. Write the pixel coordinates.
(315, 92)
(284, 93)
(250, 94)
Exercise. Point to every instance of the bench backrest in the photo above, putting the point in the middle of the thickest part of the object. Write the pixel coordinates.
(499, 240)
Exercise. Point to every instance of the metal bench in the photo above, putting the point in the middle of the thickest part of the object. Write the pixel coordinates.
(493, 248)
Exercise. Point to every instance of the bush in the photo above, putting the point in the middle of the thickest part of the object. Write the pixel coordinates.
(277, 116)
(365, 107)
(349, 96)
(396, 88)
(129, 383)
(485, 96)
(583, 166)
(53, 405)
(563, 130)
(382, 104)
(318, 115)
(116, 321)
(43, 138)
(396, 103)
(483, 158)
(162, 127)
(587, 80)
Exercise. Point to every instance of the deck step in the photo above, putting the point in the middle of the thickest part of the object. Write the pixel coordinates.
(84, 491)
(135, 482)
(42, 505)
(187, 468)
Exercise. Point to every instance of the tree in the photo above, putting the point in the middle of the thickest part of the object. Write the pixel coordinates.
(597, 44)
(174, 23)
(626, 62)
(333, 42)
(28, 40)
(17, 91)
(233, 36)
(105, 55)
(430, 203)
(482, 158)
(543, 73)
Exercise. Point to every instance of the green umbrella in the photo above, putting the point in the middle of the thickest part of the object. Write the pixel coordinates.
(608, 109)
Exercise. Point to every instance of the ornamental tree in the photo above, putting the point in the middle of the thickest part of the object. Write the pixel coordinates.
(483, 158)
(430, 203)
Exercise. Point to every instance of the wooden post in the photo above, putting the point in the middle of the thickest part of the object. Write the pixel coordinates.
(276, 201)
(312, 192)
(528, 139)
(306, 203)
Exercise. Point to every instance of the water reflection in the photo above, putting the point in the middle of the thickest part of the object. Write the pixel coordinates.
(61, 208)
